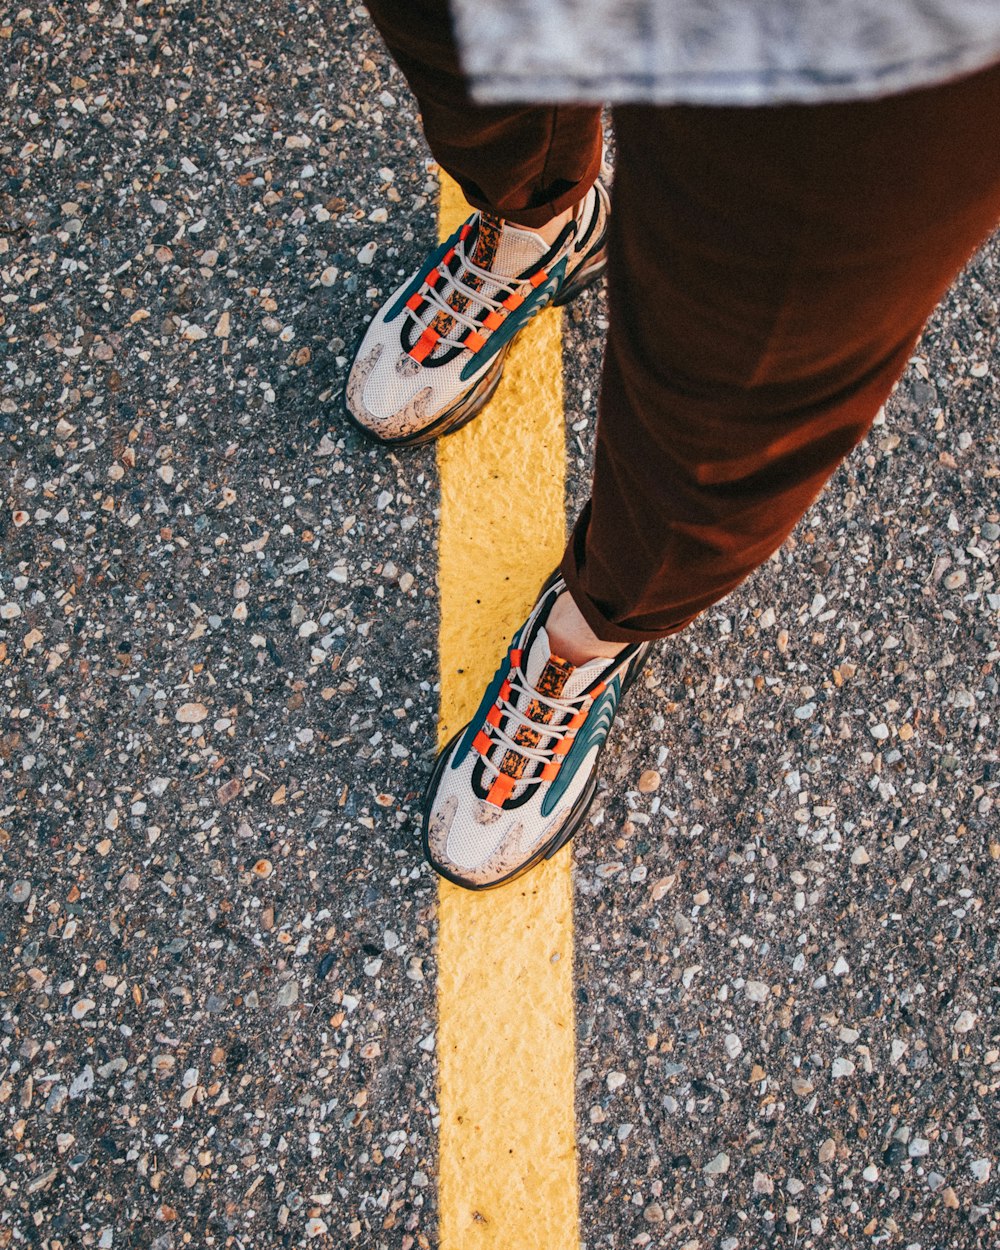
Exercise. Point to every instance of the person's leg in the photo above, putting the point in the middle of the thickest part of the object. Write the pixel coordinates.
(769, 272)
(433, 356)
(525, 163)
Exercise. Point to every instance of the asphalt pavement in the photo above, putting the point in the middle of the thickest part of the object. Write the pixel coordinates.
(218, 691)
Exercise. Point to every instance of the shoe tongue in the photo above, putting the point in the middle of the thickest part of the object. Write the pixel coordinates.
(553, 676)
(504, 249)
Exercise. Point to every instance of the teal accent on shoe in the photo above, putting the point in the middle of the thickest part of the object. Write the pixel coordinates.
(488, 699)
(516, 321)
(425, 267)
(592, 733)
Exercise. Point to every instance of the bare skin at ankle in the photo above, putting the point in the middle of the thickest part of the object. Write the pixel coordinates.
(572, 638)
(550, 231)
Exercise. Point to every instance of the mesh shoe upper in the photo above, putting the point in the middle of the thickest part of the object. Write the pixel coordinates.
(504, 791)
(444, 329)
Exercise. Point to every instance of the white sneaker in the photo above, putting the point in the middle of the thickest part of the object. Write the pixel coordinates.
(432, 357)
(515, 784)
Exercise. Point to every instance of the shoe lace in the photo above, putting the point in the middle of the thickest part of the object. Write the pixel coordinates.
(436, 302)
(554, 729)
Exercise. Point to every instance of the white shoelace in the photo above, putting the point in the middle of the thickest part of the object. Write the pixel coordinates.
(438, 303)
(550, 729)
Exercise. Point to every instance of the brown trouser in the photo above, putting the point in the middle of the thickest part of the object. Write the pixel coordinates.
(770, 270)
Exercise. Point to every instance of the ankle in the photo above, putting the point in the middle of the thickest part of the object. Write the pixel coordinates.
(552, 229)
(572, 638)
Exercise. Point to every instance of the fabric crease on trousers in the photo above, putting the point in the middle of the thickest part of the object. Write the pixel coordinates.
(770, 271)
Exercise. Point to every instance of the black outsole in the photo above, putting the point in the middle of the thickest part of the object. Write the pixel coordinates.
(574, 820)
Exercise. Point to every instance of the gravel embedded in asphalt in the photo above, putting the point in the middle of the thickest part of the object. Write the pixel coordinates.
(218, 624)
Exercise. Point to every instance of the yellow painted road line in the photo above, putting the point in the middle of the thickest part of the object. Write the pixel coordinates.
(506, 1035)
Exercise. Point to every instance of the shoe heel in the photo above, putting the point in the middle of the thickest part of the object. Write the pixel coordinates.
(588, 273)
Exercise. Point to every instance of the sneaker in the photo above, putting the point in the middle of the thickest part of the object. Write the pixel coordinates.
(515, 784)
(433, 356)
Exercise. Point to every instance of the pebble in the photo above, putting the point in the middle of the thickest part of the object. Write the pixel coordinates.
(82, 1082)
(918, 1148)
(827, 1150)
(287, 994)
(649, 781)
(615, 1081)
(19, 892)
(762, 1183)
(842, 1067)
(192, 713)
(228, 790)
(870, 1174)
(966, 1022)
(367, 254)
(757, 991)
(733, 1045)
(653, 1214)
(718, 1165)
(980, 1169)
(82, 1006)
